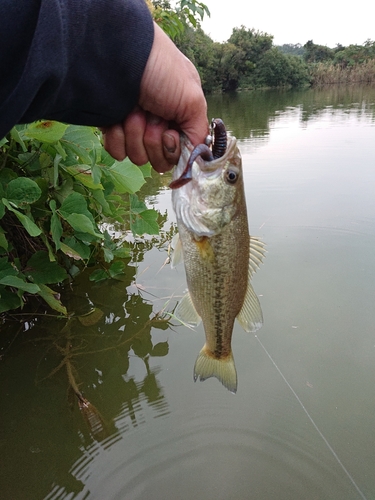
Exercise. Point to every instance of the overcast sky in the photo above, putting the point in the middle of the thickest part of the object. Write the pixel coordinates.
(326, 22)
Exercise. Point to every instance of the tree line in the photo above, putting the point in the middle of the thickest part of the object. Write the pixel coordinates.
(249, 59)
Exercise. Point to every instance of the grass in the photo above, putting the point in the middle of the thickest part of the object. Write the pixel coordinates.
(327, 73)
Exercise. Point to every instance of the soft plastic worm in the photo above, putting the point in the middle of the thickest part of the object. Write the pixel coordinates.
(201, 150)
(220, 138)
(218, 149)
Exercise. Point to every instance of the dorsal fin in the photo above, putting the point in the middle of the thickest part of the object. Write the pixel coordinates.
(257, 253)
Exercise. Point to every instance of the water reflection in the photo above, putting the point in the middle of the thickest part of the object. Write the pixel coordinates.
(252, 115)
(96, 370)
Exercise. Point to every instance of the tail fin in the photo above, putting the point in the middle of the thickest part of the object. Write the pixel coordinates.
(223, 369)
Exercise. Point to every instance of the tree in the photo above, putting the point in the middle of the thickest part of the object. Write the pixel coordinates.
(276, 69)
(204, 54)
(291, 49)
(317, 53)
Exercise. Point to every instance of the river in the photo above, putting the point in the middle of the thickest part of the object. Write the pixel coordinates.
(301, 425)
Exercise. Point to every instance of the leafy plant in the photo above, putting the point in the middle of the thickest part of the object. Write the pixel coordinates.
(57, 188)
(175, 20)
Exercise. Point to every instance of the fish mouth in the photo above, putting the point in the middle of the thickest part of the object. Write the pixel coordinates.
(214, 167)
(207, 159)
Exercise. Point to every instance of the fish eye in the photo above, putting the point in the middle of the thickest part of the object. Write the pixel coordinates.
(231, 176)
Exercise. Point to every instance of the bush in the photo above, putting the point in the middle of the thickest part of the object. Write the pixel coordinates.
(57, 187)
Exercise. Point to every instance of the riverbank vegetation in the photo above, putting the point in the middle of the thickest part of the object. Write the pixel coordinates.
(250, 60)
(344, 65)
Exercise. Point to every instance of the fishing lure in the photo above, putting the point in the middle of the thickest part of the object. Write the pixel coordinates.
(219, 138)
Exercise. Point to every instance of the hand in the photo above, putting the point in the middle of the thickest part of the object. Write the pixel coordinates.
(171, 101)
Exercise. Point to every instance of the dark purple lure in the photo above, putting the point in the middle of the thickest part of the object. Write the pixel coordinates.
(201, 150)
(220, 138)
(218, 149)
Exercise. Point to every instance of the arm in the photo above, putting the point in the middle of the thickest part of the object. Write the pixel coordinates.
(74, 61)
(90, 63)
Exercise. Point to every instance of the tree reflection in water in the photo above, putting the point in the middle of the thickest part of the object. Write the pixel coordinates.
(83, 382)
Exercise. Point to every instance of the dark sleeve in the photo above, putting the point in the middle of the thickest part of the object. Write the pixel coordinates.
(77, 61)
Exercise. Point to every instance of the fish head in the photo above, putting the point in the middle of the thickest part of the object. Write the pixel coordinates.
(207, 203)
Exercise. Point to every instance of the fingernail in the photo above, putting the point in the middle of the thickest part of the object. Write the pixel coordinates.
(169, 143)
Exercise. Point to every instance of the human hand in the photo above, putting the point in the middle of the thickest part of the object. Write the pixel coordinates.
(171, 101)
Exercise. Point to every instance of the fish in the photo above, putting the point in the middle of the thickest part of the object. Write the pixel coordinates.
(219, 255)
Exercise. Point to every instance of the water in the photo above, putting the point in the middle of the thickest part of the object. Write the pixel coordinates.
(301, 425)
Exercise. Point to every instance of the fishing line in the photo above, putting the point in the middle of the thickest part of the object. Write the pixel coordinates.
(313, 423)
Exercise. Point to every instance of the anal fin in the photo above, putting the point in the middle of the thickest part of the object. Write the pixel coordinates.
(250, 316)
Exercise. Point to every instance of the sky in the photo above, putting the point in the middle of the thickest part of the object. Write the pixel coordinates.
(326, 22)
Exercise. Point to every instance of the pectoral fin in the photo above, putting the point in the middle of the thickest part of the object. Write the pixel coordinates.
(186, 312)
(177, 255)
(223, 369)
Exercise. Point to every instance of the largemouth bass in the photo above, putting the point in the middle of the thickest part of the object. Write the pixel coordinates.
(219, 255)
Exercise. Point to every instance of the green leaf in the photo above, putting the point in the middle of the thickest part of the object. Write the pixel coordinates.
(70, 252)
(6, 175)
(9, 300)
(160, 349)
(136, 205)
(15, 135)
(3, 240)
(51, 254)
(122, 253)
(145, 222)
(77, 247)
(126, 177)
(108, 255)
(46, 131)
(96, 173)
(146, 170)
(99, 275)
(27, 223)
(6, 268)
(52, 299)
(82, 224)
(98, 195)
(56, 230)
(45, 160)
(23, 191)
(142, 221)
(56, 163)
(116, 268)
(19, 283)
(81, 141)
(60, 150)
(44, 271)
(73, 204)
(82, 173)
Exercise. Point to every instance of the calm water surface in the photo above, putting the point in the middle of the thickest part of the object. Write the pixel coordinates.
(302, 423)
